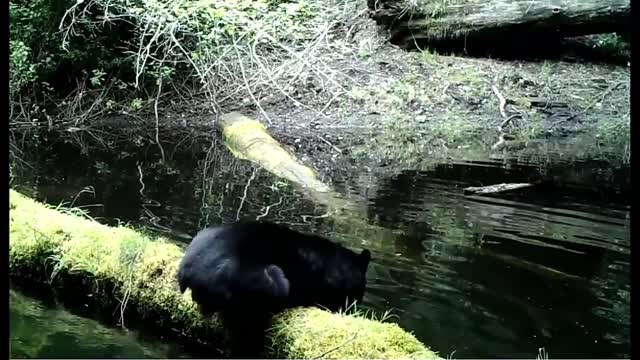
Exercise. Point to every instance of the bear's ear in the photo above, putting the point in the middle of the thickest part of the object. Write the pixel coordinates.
(365, 258)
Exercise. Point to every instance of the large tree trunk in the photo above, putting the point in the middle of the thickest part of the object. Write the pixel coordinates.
(437, 21)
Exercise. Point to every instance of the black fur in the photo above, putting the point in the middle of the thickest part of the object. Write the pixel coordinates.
(252, 269)
(261, 264)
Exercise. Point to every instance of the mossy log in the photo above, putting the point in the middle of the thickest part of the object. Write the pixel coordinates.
(129, 274)
(248, 139)
(438, 21)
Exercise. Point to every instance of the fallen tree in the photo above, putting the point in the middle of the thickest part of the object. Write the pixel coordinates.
(130, 275)
(437, 21)
(248, 139)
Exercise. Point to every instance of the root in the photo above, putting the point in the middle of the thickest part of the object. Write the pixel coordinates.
(244, 195)
(503, 112)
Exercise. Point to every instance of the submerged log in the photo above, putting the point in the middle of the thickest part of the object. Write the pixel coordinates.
(130, 275)
(248, 139)
(443, 20)
(492, 189)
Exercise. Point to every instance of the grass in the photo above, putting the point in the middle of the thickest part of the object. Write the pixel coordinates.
(346, 340)
(135, 275)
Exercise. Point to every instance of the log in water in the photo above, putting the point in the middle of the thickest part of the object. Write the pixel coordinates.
(131, 275)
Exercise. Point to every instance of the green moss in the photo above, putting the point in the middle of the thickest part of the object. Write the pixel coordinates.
(119, 263)
(303, 332)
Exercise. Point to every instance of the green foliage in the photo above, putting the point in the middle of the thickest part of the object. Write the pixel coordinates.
(91, 32)
(21, 70)
(429, 56)
(615, 130)
(98, 77)
(30, 27)
(37, 53)
(132, 44)
(136, 104)
(613, 43)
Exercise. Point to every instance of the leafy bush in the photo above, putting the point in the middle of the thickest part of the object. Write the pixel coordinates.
(21, 70)
(100, 55)
(138, 37)
(37, 54)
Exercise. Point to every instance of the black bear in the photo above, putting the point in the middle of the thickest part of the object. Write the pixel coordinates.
(253, 269)
(271, 267)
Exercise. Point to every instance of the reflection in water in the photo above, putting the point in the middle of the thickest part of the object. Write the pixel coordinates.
(40, 330)
(481, 276)
(495, 278)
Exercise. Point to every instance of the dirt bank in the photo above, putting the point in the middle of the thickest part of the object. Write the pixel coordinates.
(376, 105)
(402, 105)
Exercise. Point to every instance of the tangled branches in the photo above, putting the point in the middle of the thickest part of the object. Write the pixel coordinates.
(230, 50)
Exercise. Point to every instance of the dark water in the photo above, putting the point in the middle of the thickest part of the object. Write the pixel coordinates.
(42, 329)
(479, 277)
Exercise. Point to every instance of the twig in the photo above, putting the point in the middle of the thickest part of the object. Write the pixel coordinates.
(503, 101)
(246, 83)
(507, 121)
(330, 144)
(268, 208)
(591, 104)
(321, 112)
(155, 109)
(140, 179)
(296, 55)
(503, 112)
(273, 81)
(492, 189)
(86, 189)
(500, 142)
(355, 335)
(244, 196)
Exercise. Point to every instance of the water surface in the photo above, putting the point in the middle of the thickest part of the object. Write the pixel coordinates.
(478, 277)
(45, 330)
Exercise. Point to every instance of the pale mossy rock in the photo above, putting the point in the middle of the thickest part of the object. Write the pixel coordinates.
(74, 254)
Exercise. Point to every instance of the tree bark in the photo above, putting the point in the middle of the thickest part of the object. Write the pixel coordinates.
(450, 20)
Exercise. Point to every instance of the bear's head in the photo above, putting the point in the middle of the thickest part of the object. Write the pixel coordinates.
(346, 277)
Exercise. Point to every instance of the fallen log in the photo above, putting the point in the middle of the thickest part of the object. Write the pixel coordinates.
(492, 189)
(436, 21)
(248, 139)
(130, 275)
